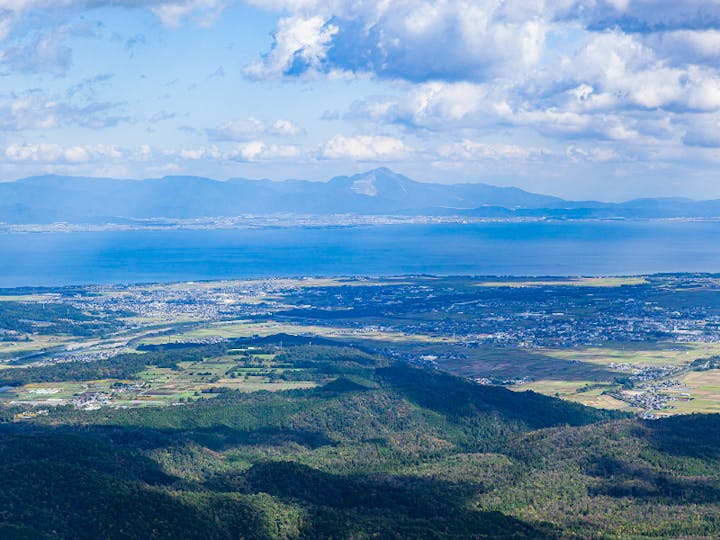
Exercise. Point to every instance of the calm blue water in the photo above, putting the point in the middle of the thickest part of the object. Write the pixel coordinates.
(589, 248)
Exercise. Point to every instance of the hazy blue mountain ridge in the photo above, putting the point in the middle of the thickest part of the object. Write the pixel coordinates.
(47, 199)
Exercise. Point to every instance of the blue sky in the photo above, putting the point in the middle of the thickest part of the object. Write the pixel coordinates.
(603, 99)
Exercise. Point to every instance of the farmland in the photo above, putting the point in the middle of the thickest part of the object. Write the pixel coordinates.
(624, 343)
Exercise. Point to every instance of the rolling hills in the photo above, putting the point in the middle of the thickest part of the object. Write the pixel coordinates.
(385, 450)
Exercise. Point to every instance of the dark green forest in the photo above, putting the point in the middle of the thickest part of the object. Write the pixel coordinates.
(51, 318)
(380, 450)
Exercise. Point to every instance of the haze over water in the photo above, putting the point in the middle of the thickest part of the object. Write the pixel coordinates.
(520, 249)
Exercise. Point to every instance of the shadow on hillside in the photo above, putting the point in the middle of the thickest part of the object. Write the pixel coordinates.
(78, 482)
(220, 438)
(458, 398)
(90, 449)
(410, 507)
(621, 479)
(71, 484)
(513, 362)
(696, 435)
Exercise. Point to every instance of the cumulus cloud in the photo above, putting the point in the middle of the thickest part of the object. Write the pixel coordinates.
(365, 148)
(250, 128)
(594, 154)
(621, 70)
(173, 13)
(300, 45)
(251, 151)
(45, 153)
(435, 105)
(409, 39)
(681, 47)
(587, 78)
(598, 69)
(474, 150)
(261, 151)
(643, 16)
(61, 156)
(703, 131)
(419, 40)
(515, 157)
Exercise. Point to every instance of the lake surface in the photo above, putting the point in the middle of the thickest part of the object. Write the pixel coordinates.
(521, 249)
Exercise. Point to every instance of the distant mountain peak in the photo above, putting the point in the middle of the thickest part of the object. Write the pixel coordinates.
(365, 186)
(46, 199)
(380, 183)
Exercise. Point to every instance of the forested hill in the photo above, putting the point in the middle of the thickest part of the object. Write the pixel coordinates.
(380, 450)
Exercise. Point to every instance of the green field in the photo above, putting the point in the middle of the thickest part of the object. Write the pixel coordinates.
(658, 354)
(241, 329)
(704, 389)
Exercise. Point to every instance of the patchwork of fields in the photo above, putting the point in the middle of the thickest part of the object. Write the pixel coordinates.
(630, 344)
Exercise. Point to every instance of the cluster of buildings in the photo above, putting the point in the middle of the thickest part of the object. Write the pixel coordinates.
(90, 401)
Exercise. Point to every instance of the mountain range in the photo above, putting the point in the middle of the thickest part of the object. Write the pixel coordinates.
(49, 199)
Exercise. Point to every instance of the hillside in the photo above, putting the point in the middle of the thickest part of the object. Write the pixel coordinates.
(384, 451)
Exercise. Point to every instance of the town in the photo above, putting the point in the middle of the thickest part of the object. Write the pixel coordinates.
(521, 333)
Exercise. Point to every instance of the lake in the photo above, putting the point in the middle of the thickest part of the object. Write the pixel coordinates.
(520, 249)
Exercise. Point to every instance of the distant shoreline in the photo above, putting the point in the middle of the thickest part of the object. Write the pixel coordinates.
(285, 221)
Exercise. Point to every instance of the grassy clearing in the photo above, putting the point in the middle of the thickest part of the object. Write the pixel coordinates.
(661, 354)
(53, 393)
(244, 328)
(584, 392)
(163, 386)
(507, 362)
(50, 297)
(195, 380)
(704, 387)
(36, 343)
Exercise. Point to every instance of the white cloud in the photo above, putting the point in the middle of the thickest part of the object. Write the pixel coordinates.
(202, 11)
(36, 110)
(410, 39)
(300, 45)
(211, 152)
(286, 128)
(365, 148)
(473, 150)
(251, 151)
(261, 151)
(437, 105)
(594, 154)
(686, 46)
(703, 131)
(604, 70)
(596, 81)
(246, 129)
(641, 15)
(55, 153)
(624, 71)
